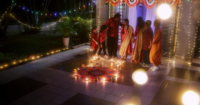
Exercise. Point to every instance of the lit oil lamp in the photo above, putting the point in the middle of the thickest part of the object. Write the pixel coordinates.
(111, 65)
(83, 65)
(111, 60)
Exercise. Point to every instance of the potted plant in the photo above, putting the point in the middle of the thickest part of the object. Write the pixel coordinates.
(83, 29)
(66, 27)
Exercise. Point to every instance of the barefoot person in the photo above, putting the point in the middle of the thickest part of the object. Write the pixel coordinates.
(147, 40)
(137, 51)
(94, 42)
(126, 43)
(157, 45)
(113, 30)
(102, 37)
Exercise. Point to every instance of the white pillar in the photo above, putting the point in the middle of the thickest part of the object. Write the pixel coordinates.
(102, 11)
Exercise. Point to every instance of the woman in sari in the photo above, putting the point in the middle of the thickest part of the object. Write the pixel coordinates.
(126, 43)
(94, 42)
(137, 51)
(156, 46)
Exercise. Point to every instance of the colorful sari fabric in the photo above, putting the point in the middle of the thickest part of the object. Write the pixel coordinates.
(137, 52)
(94, 45)
(126, 45)
(156, 50)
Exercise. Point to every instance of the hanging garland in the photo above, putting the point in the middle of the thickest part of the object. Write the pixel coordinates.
(172, 2)
(123, 2)
(150, 3)
(131, 3)
(115, 2)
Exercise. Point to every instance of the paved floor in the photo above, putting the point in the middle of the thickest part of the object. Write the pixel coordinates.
(49, 81)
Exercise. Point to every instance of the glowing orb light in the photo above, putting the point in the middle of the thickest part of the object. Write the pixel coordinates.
(164, 11)
(190, 98)
(140, 77)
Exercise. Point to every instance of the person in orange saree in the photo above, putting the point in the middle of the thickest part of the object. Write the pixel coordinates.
(147, 40)
(126, 43)
(156, 46)
(137, 51)
(94, 42)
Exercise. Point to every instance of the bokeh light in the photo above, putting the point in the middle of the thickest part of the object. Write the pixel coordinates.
(190, 98)
(140, 77)
(164, 11)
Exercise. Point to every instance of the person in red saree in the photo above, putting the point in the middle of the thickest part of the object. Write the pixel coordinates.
(112, 38)
(126, 43)
(147, 40)
(156, 46)
(102, 37)
(94, 42)
(137, 51)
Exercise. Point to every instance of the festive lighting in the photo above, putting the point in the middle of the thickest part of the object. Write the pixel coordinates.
(25, 59)
(164, 11)
(140, 77)
(14, 63)
(30, 25)
(2, 17)
(32, 57)
(38, 56)
(190, 98)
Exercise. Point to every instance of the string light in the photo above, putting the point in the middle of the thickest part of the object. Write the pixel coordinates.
(2, 17)
(91, 20)
(171, 31)
(15, 62)
(99, 15)
(178, 18)
(32, 26)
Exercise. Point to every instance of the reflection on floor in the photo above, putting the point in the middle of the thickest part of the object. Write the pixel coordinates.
(49, 81)
(81, 99)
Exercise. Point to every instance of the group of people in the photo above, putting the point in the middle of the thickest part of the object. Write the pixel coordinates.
(146, 48)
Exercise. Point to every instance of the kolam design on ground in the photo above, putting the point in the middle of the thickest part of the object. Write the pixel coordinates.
(97, 73)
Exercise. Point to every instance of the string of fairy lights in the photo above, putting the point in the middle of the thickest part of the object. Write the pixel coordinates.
(180, 8)
(24, 24)
(189, 34)
(91, 20)
(2, 17)
(31, 58)
(37, 56)
(99, 15)
(199, 36)
(171, 31)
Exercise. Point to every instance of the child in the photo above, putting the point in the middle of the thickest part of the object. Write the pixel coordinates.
(102, 36)
(157, 45)
(147, 40)
(94, 42)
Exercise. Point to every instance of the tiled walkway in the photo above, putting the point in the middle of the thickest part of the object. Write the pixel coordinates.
(49, 81)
